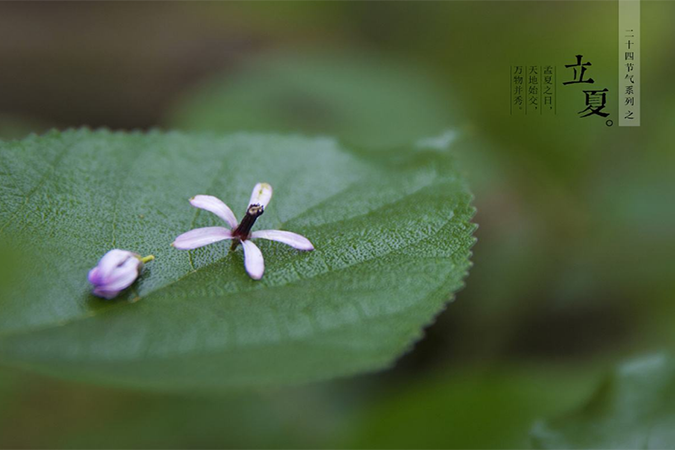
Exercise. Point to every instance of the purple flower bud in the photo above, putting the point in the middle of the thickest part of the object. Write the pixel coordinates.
(116, 271)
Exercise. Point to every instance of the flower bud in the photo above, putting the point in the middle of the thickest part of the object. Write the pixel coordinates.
(116, 271)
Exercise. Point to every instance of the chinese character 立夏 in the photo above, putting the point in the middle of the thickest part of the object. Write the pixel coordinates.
(580, 73)
(595, 103)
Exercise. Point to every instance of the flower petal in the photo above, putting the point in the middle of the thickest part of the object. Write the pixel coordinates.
(261, 195)
(123, 276)
(200, 237)
(108, 295)
(94, 276)
(253, 260)
(216, 206)
(109, 263)
(285, 237)
(110, 279)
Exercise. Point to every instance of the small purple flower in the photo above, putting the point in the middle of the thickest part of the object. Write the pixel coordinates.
(115, 272)
(240, 232)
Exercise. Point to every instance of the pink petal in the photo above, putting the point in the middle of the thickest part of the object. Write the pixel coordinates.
(109, 263)
(285, 237)
(108, 295)
(123, 276)
(116, 271)
(216, 206)
(253, 260)
(261, 195)
(200, 237)
(94, 276)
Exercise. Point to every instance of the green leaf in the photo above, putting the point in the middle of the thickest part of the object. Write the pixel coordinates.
(361, 99)
(392, 243)
(99, 417)
(633, 408)
(474, 408)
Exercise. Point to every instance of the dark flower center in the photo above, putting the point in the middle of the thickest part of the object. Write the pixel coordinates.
(243, 230)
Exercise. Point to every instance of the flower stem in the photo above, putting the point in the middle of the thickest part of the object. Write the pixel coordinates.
(244, 228)
(147, 258)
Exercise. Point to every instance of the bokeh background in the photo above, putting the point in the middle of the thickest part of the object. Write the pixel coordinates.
(573, 269)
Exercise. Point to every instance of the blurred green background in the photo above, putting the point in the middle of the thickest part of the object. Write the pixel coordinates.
(573, 269)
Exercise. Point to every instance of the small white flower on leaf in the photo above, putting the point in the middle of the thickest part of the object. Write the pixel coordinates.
(240, 232)
(115, 272)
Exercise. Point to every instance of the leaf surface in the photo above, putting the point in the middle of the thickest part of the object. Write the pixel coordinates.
(633, 408)
(392, 243)
(361, 99)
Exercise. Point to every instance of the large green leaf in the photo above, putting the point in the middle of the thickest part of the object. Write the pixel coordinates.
(38, 412)
(362, 99)
(633, 408)
(468, 408)
(392, 243)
